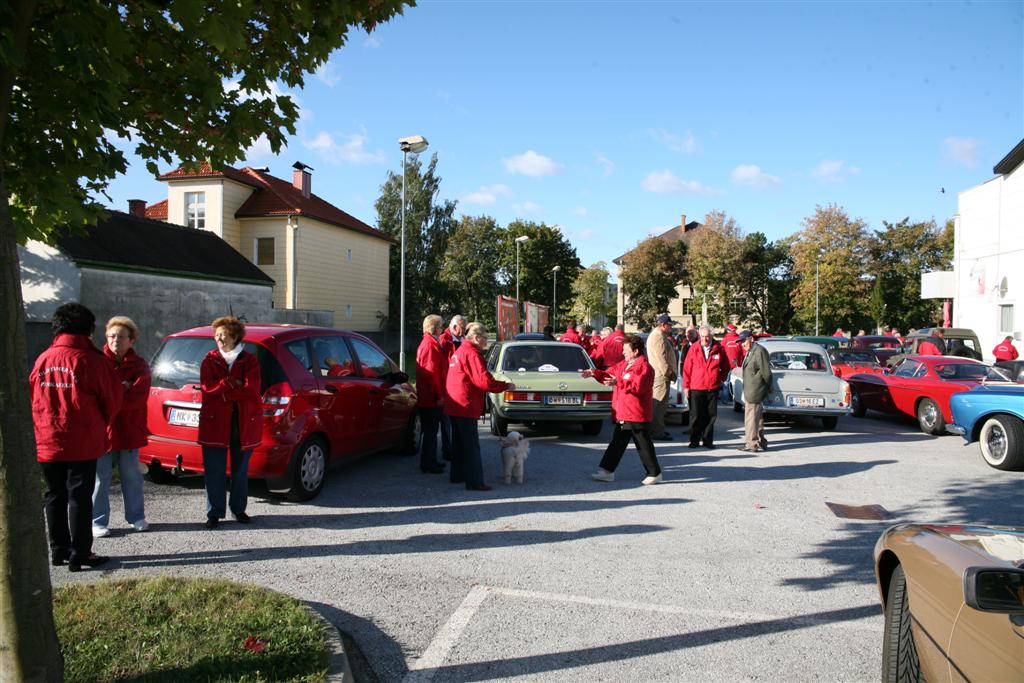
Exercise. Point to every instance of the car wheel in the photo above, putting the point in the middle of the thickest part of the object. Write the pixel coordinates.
(829, 422)
(900, 663)
(592, 427)
(499, 425)
(1002, 443)
(309, 469)
(929, 417)
(413, 436)
(856, 405)
(158, 474)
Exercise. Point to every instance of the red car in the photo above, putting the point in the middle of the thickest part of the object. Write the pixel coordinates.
(883, 346)
(919, 386)
(849, 361)
(328, 396)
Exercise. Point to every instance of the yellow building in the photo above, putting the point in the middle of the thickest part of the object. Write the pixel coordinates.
(319, 256)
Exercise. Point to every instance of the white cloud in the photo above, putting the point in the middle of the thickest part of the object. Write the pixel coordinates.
(752, 175)
(962, 151)
(607, 165)
(584, 234)
(260, 150)
(686, 144)
(667, 182)
(527, 207)
(350, 148)
(529, 163)
(488, 194)
(372, 42)
(833, 171)
(328, 74)
(581, 211)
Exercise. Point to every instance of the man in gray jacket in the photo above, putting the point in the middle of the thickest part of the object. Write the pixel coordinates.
(757, 382)
(661, 355)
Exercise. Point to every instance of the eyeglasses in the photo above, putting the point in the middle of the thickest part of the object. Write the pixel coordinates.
(118, 336)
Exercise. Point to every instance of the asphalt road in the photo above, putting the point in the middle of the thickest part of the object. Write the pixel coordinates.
(733, 569)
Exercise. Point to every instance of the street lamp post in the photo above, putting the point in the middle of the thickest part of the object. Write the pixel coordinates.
(554, 296)
(817, 264)
(519, 240)
(414, 144)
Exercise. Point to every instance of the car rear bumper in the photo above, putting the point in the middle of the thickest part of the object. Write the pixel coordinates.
(267, 461)
(519, 414)
(811, 412)
(955, 429)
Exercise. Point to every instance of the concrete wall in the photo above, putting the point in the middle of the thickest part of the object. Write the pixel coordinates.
(48, 279)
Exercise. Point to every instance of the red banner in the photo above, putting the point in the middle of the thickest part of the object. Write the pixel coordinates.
(508, 318)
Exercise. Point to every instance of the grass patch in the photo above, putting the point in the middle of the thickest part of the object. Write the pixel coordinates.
(172, 629)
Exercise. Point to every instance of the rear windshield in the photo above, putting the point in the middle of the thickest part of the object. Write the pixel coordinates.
(177, 362)
(568, 358)
(847, 356)
(969, 371)
(798, 360)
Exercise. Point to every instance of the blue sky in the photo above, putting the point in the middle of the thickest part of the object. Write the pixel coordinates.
(611, 119)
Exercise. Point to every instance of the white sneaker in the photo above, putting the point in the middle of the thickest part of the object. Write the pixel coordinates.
(100, 531)
(648, 481)
(141, 525)
(603, 475)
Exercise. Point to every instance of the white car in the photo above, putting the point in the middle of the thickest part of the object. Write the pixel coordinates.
(803, 383)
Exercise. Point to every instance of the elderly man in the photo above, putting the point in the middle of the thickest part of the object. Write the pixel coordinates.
(661, 355)
(934, 345)
(705, 368)
(451, 339)
(757, 382)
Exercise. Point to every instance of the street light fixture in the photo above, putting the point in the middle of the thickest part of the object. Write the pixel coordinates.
(519, 240)
(414, 144)
(554, 296)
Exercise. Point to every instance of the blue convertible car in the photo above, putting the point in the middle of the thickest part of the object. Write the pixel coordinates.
(992, 415)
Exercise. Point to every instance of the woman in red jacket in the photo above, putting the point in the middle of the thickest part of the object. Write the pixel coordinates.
(431, 368)
(127, 433)
(467, 383)
(632, 410)
(230, 419)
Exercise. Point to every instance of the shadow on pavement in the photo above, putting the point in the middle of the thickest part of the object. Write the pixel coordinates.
(358, 633)
(687, 473)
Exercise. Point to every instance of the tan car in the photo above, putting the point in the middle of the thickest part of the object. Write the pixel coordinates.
(953, 598)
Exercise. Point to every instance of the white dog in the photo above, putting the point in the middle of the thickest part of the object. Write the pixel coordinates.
(514, 449)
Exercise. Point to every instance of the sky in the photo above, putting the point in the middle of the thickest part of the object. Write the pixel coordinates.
(613, 119)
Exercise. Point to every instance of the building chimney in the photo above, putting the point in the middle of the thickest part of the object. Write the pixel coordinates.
(683, 222)
(137, 207)
(302, 179)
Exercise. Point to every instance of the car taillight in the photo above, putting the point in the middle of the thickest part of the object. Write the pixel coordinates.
(598, 396)
(522, 396)
(276, 399)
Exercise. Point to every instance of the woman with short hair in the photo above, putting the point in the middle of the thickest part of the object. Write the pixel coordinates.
(127, 433)
(467, 384)
(431, 369)
(230, 419)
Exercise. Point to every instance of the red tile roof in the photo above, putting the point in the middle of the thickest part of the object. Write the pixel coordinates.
(277, 197)
(157, 211)
(673, 234)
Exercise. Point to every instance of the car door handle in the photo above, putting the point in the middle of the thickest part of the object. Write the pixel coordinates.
(331, 389)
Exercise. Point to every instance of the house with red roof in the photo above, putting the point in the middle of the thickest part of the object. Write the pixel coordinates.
(319, 256)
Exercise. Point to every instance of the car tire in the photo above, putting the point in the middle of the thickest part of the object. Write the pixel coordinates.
(158, 474)
(499, 425)
(413, 436)
(592, 427)
(1002, 443)
(929, 417)
(856, 404)
(308, 469)
(900, 663)
(829, 423)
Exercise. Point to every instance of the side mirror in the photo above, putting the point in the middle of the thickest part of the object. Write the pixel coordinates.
(397, 377)
(992, 589)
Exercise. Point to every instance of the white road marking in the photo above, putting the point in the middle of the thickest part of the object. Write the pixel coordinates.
(424, 668)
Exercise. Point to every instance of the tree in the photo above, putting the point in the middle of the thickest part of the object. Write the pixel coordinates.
(713, 261)
(763, 281)
(840, 244)
(73, 78)
(469, 273)
(545, 249)
(590, 295)
(650, 276)
(429, 223)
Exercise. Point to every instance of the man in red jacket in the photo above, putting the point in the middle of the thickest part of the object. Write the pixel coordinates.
(75, 396)
(1005, 350)
(570, 334)
(934, 345)
(431, 368)
(611, 348)
(705, 368)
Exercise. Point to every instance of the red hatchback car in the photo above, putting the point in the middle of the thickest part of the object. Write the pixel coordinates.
(328, 396)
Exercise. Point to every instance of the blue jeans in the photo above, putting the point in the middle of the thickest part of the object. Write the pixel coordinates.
(131, 487)
(214, 466)
(466, 465)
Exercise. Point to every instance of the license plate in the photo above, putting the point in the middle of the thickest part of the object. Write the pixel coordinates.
(567, 400)
(807, 401)
(183, 418)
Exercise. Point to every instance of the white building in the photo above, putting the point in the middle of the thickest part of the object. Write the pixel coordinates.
(988, 255)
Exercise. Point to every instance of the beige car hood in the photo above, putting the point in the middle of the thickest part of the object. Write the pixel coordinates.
(999, 545)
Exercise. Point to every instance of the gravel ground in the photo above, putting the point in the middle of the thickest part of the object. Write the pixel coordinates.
(734, 569)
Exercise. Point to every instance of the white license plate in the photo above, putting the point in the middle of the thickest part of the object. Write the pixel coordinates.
(183, 418)
(807, 401)
(568, 400)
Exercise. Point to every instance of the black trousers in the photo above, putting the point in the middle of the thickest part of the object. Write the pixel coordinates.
(640, 433)
(446, 437)
(68, 505)
(466, 464)
(430, 420)
(703, 413)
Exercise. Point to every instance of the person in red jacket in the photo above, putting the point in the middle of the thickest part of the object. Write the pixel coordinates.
(127, 433)
(75, 396)
(451, 339)
(632, 411)
(431, 368)
(467, 383)
(705, 368)
(935, 345)
(1005, 350)
(230, 419)
(611, 348)
(570, 334)
(734, 352)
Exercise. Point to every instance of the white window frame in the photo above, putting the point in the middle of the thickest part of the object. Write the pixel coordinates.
(199, 220)
(1003, 308)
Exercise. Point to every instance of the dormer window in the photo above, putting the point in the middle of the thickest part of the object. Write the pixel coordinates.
(195, 210)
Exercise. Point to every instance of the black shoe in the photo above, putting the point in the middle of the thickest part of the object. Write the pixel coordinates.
(243, 518)
(435, 469)
(60, 559)
(694, 445)
(211, 522)
(709, 445)
(93, 560)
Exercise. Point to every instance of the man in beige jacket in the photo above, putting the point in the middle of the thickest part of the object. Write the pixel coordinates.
(661, 354)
